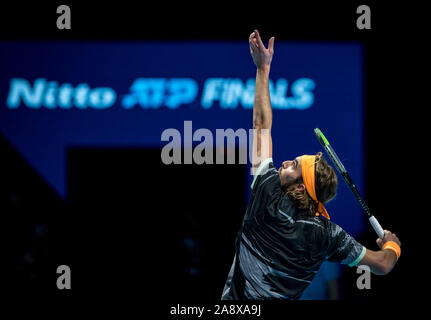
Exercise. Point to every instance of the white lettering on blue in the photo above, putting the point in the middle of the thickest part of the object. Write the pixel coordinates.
(229, 93)
(154, 93)
(50, 95)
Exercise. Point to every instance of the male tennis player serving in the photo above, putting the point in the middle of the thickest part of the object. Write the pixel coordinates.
(283, 239)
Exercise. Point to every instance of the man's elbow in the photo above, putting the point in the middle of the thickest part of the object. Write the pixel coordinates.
(261, 124)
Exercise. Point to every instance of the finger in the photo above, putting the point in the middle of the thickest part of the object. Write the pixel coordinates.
(379, 242)
(259, 40)
(271, 44)
(251, 41)
(253, 44)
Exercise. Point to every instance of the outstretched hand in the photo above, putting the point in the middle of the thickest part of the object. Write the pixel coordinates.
(261, 56)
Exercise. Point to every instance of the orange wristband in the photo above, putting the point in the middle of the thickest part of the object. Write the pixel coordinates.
(392, 245)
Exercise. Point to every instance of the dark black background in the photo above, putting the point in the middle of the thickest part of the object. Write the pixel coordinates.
(121, 230)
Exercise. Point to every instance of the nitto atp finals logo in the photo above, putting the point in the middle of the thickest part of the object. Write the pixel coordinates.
(154, 93)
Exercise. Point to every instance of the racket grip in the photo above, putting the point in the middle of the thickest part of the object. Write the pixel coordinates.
(377, 227)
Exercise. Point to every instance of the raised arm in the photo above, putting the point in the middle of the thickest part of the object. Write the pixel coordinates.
(262, 111)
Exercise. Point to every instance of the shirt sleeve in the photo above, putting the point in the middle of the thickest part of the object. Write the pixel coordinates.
(343, 248)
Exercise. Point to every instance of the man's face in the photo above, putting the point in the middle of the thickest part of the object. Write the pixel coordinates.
(289, 172)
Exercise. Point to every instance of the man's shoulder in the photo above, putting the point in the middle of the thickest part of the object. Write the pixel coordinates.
(263, 166)
(265, 170)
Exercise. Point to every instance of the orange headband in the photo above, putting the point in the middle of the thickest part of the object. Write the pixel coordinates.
(308, 163)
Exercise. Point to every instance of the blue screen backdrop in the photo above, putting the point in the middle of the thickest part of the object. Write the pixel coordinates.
(91, 94)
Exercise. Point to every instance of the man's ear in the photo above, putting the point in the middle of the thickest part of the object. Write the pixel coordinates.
(300, 186)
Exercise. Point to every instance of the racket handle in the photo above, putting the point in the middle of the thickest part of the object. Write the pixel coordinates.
(377, 227)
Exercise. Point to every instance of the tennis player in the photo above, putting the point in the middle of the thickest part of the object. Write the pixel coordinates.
(286, 233)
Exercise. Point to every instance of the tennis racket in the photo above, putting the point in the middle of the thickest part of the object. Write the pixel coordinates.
(343, 172)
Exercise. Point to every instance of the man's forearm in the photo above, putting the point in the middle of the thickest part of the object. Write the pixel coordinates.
(380, 262)
(262, 112)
